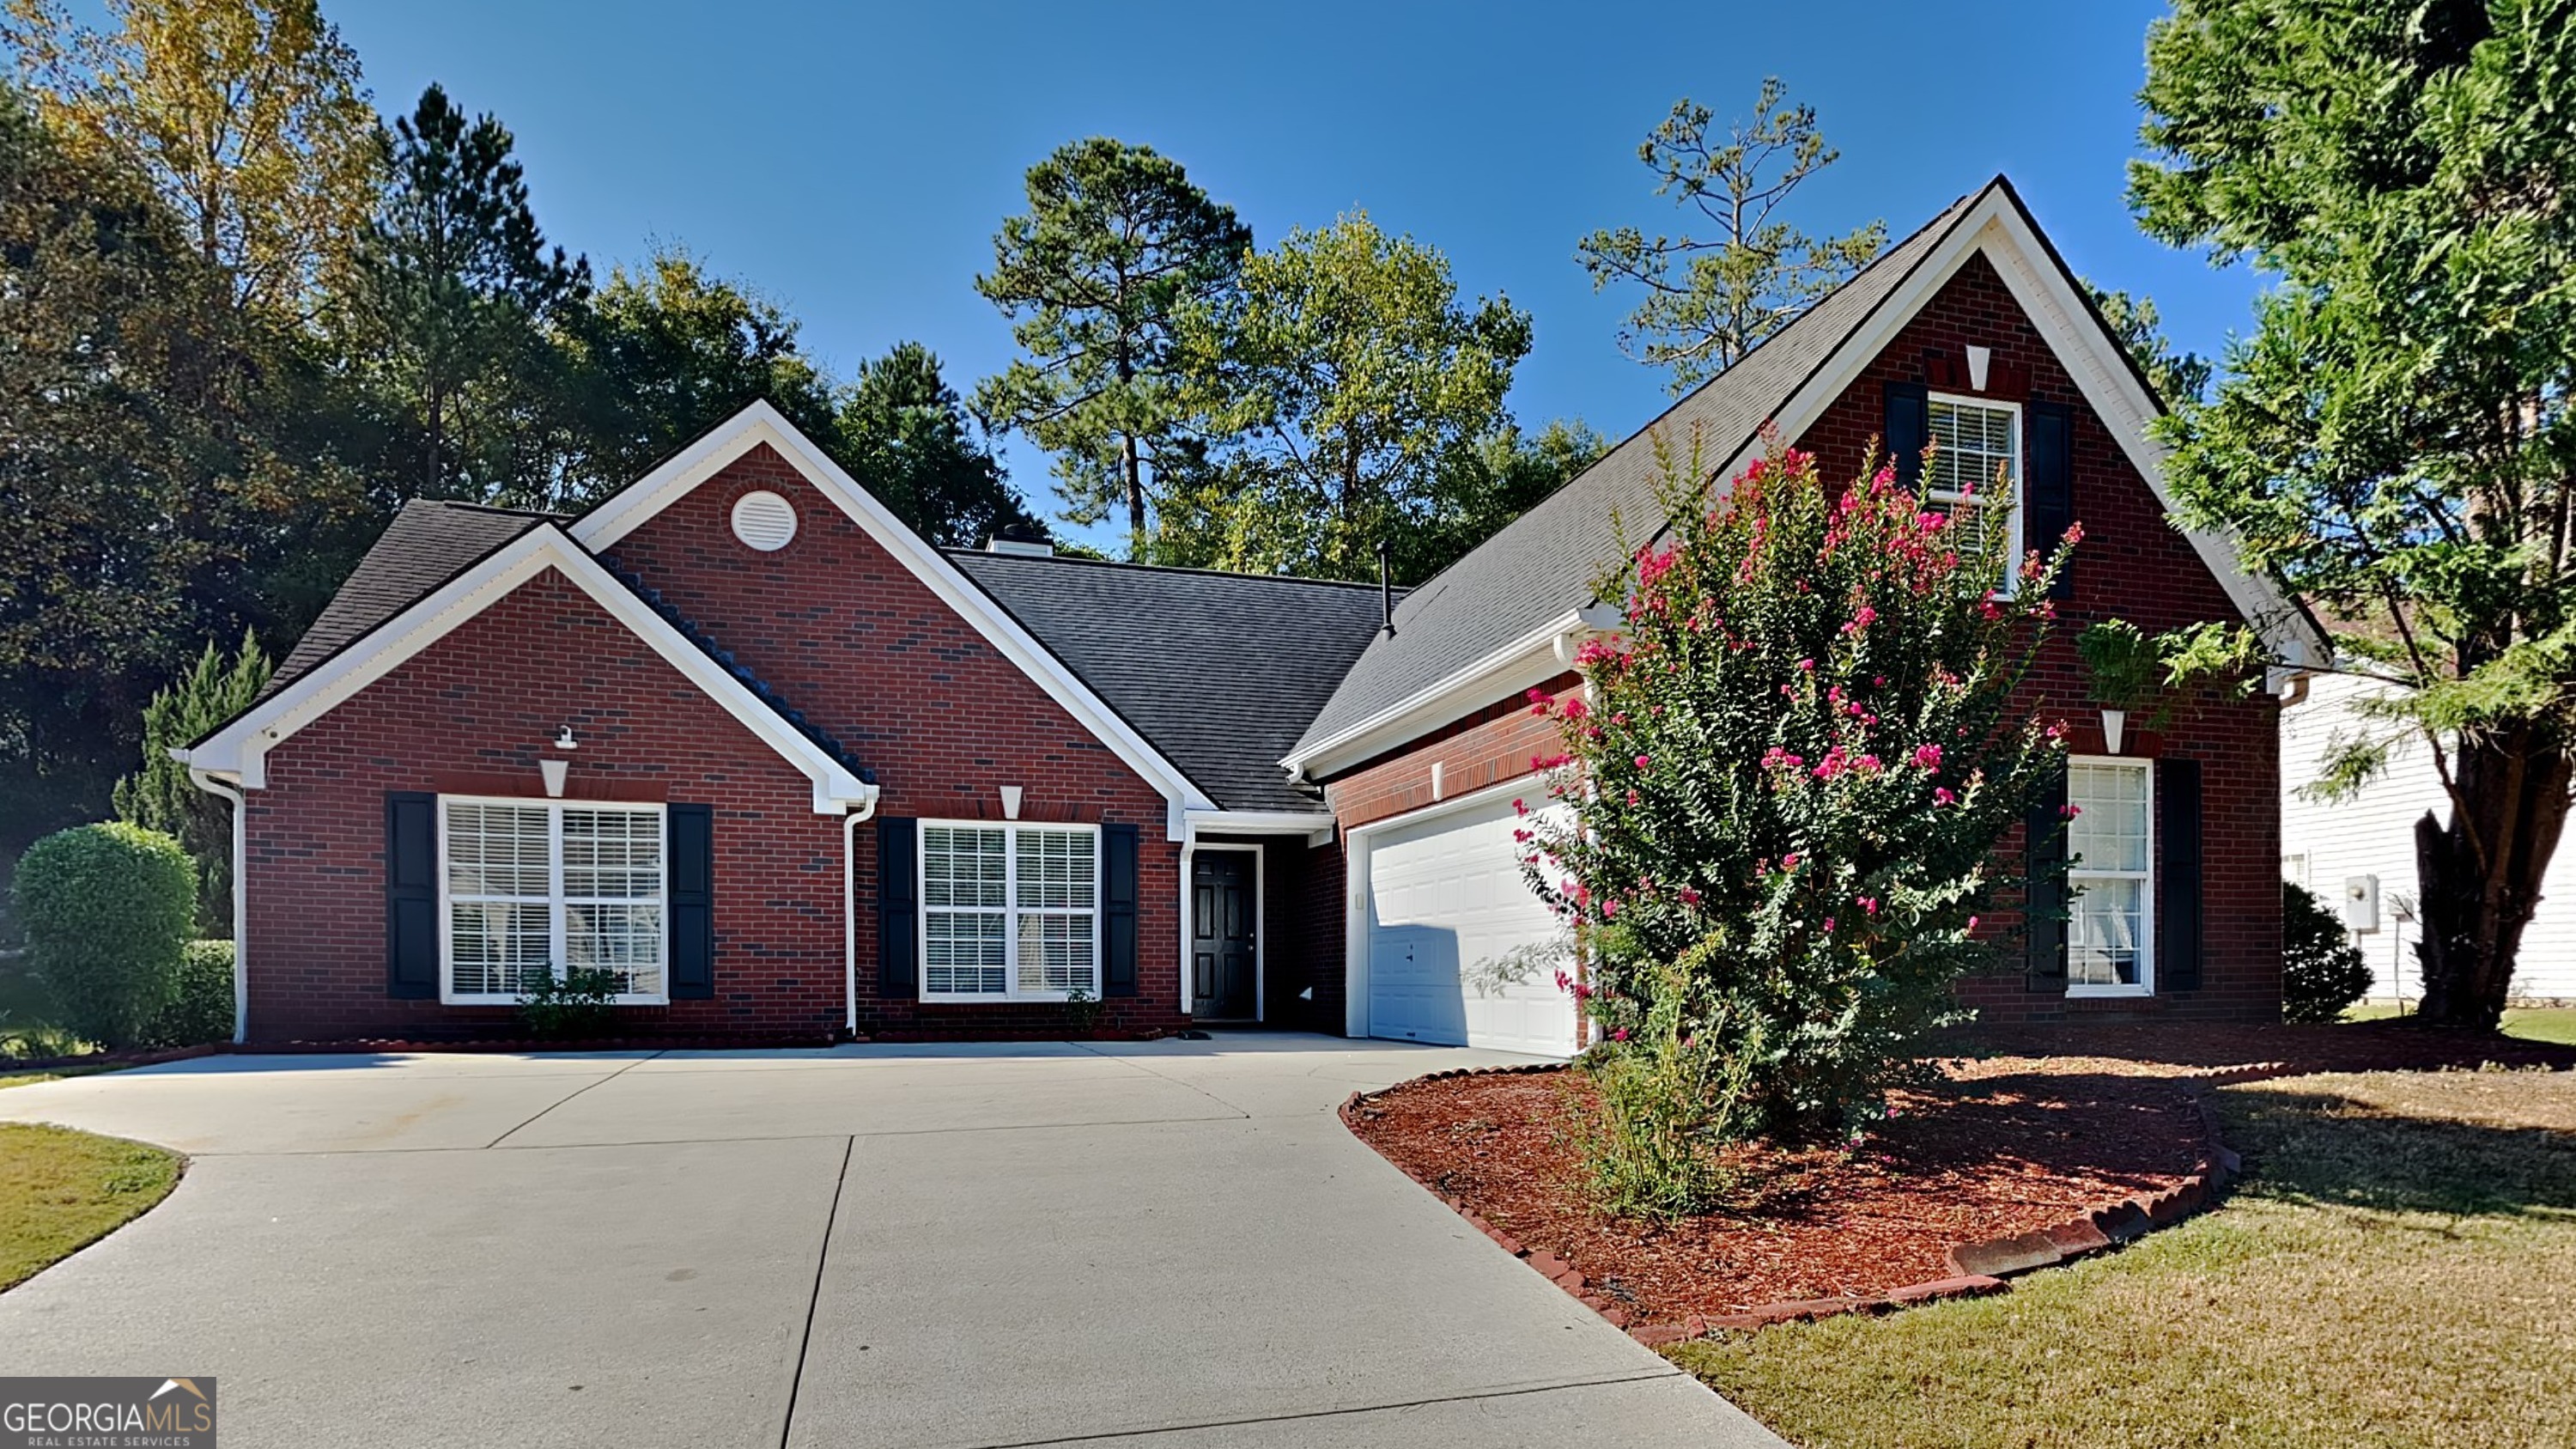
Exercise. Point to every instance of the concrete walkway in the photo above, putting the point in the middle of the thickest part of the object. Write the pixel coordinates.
(1172, 1245)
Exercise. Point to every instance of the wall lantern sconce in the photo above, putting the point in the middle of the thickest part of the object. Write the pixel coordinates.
(565, 741)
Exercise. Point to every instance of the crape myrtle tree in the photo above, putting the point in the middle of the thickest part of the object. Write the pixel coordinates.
(1780, 796)
(2396, 441)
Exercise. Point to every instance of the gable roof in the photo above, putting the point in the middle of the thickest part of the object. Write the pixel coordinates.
(1221, 671)
(240, 747)
(1538, 573)
(761, 424)
(427, 544)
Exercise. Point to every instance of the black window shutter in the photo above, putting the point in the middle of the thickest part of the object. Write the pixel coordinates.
(2050, 454)
(1118, 910)
(1908, 431)
(411, 895)
(2044, 918)
(2178, 910)
(898, 905)
(691, 862)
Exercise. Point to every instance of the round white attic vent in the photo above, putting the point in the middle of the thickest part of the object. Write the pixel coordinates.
(764, 521)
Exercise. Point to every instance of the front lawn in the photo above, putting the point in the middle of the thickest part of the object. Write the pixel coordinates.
(62, 1190)
(2395, 1269)
(2531, 1023)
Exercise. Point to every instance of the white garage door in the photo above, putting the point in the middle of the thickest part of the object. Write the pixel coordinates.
(1447, 905)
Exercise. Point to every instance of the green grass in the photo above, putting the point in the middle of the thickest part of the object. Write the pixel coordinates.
(2395, 1270)
(62, 1190)
(49, 1074)
(2545, 1023)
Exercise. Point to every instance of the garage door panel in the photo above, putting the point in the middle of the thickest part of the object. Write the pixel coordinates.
(1452, 922)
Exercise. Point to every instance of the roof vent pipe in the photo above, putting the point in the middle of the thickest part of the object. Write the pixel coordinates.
(1021, 538)
(1385, 587)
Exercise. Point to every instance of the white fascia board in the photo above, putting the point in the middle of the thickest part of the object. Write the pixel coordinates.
(1317, 828)
(599, 530)
(240, 749)
(1996, 228)
(1523, 664)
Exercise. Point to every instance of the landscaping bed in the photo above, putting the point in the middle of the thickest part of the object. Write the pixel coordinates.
(1999, 1147)
(2012, 1139)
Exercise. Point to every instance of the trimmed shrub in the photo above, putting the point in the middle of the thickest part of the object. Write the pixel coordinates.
(2322, 972)
(202, 1010)
(107, 909)
(581, 1003)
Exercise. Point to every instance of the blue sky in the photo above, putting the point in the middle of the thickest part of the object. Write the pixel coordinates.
(852, 162)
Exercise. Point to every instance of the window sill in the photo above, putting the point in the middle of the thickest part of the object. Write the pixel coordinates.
(451, 999)
(1021, 998)
(2109, 992)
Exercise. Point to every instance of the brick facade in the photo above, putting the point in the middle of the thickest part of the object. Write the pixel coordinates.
(844, 632)
(2132, 564)
(840, 630)
(472, 714)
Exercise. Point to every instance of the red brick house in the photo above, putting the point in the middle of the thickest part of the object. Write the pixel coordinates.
(740, 737)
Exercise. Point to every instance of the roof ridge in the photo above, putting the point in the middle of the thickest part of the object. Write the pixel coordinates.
(964, 551)
(1675, 405)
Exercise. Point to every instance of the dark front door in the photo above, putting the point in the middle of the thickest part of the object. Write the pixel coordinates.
(1222, 976)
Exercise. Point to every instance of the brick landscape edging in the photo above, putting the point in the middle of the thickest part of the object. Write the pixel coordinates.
(1976, 1268)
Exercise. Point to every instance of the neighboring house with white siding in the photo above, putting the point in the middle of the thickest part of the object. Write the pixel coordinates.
(2328, 848)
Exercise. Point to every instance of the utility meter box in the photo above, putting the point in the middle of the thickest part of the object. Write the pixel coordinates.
(2361, 903)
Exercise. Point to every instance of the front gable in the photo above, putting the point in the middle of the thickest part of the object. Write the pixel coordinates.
(239, 750)
(867, 629)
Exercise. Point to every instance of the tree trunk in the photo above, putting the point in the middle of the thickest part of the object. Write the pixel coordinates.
(2481, 874)
(1135, 497)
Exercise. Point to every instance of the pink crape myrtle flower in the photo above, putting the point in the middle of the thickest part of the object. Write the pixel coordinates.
(1927, 757)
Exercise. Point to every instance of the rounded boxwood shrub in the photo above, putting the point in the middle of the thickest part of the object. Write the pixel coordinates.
(202, 1009)
(2322, 972)
(107, 909)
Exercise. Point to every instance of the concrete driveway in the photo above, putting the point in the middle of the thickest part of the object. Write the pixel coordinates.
(1172, 1245)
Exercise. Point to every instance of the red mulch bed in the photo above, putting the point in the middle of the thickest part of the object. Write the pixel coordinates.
(2017, 1136)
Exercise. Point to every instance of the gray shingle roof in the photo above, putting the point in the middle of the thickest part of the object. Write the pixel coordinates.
(1543, 565)
(427, 544)
(1220, 671)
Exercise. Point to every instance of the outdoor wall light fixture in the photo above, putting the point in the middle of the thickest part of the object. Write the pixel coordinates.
(565, 741)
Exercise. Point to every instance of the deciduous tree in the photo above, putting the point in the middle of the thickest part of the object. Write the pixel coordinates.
(2396, 440)
(1710, 298)
(1356, 386)
(248, 115)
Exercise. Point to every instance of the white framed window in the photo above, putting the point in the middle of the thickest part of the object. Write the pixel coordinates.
(531, 889)
(1009, 912)
(1975, 473)
(2111, 924)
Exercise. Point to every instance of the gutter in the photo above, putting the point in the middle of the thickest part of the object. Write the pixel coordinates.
(850, 909)
(241, 890)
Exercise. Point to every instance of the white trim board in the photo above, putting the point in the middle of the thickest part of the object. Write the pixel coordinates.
(630, 507)
(1993, 225)
(240, 749)
(1996, 228)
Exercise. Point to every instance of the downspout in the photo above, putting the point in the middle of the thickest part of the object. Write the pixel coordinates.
(850, 910)
(241, 894)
